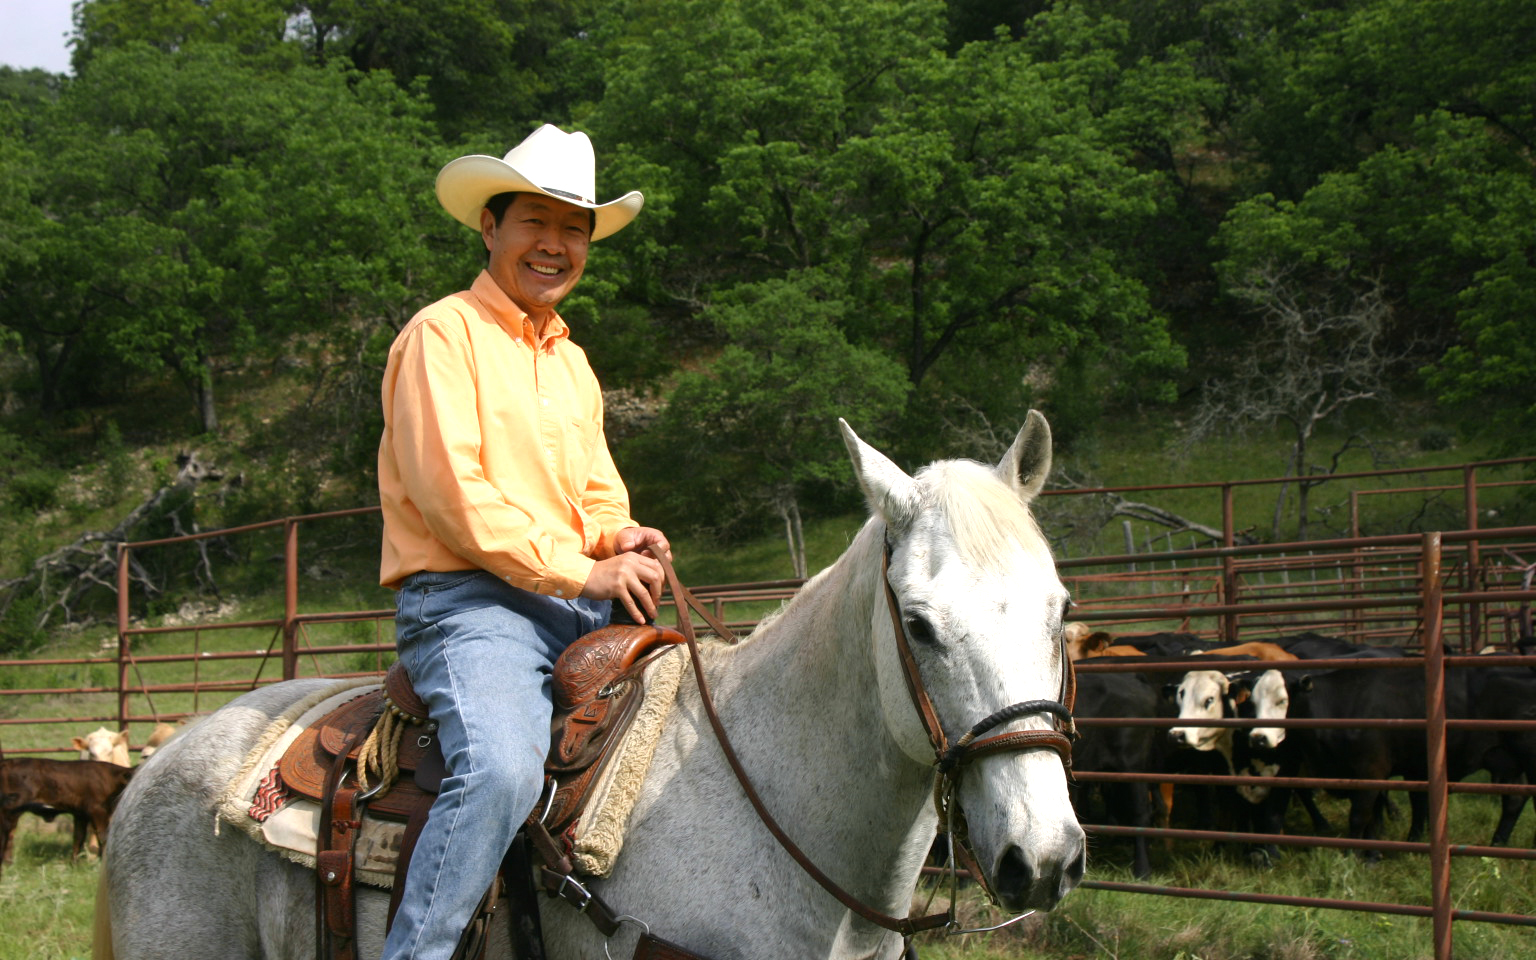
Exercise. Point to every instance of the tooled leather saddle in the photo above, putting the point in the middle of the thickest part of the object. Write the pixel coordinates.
(597, 689)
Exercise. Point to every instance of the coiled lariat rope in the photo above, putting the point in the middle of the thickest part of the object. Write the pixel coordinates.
(380, 753)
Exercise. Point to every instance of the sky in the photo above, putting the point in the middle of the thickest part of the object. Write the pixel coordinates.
(32, 34)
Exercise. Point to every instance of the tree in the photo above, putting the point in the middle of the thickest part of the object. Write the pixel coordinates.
(193, 210)
(1445, 226)
(975, 234)
(486, 65)
(1313, 352)
(757, 427)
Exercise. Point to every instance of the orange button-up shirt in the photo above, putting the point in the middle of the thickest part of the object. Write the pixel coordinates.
(493, 455)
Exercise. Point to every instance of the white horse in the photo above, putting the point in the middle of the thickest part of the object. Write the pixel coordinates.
(817, 708)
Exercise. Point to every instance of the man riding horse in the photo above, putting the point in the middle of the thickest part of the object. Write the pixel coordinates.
(507, 532)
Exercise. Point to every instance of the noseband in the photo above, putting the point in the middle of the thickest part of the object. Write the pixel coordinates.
(950, 759)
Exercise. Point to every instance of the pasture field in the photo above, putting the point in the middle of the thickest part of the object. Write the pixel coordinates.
(46, 905)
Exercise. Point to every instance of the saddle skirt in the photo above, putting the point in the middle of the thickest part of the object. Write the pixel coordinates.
(613, 691)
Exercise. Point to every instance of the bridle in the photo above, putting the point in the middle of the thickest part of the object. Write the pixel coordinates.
(949, 763)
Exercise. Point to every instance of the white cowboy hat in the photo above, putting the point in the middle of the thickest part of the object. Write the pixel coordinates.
(551, 162)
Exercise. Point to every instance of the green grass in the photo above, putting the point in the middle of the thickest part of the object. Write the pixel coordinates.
(1113, 924)
(46, 905)
(46, 902)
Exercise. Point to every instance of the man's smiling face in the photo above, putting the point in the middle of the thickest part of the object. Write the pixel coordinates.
(538, 251)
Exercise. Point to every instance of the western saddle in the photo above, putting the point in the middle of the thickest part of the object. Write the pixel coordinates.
(598, 687)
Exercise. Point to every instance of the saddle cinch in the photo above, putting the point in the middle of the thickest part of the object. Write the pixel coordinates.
(598, 688)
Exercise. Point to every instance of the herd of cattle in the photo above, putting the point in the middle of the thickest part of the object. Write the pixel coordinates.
(86, 788)
(1259, 692)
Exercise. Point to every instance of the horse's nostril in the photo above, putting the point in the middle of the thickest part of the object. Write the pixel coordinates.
(1014, 876)
(1076, 869)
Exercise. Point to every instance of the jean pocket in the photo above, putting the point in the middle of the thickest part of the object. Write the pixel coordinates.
(429, 597)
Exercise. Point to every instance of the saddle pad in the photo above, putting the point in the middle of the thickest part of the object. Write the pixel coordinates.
(234, 805)
(293, 828)
(598, 835)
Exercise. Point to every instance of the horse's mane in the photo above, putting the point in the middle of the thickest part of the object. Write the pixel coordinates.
(986, 515)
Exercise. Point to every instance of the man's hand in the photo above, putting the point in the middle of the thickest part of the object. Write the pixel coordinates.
(636, 539)
(631, 576)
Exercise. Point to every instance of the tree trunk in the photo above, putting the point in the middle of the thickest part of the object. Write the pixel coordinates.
(794, 534)
(207, 415)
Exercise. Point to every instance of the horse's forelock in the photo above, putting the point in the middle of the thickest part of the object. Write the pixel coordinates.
(986, 516)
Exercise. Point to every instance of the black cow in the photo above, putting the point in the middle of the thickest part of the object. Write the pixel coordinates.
(1508, 693)
(1316, 646)
(1269, 752)
(1119, 749)
(1259, 752)
(1354, 752)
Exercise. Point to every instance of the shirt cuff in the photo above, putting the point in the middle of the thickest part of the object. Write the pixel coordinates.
(568, 581)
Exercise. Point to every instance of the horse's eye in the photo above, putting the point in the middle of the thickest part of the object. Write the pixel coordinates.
(919, 630)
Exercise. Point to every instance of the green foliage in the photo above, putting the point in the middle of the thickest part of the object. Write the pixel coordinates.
(975, 206)
(174, 231)
(970, 237)
(757, 427)
(19, 630)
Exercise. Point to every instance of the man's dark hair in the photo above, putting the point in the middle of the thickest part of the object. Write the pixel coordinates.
(500, 202)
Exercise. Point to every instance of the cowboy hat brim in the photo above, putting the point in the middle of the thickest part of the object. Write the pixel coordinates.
(465, 184)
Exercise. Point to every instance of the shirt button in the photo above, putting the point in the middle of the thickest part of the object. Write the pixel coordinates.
(559, 593)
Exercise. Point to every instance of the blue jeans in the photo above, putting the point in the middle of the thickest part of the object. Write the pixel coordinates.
(480, 653)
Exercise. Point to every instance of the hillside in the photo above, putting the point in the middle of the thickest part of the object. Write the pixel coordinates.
(277, 455)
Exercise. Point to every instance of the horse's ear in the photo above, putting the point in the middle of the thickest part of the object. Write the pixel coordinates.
(891, 493)
(1028, 462)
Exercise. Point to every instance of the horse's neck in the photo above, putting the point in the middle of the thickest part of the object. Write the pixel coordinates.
(802, 695)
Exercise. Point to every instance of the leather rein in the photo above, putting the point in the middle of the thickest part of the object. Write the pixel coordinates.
(950, 759)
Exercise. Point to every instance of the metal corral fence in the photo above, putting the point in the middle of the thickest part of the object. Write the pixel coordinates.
(1442, 595)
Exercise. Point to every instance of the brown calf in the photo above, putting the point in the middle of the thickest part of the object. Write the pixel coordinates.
(1084, 646)
(88, 789)
(1256, 649)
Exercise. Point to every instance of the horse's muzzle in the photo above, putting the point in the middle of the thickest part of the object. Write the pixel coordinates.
(1024, 882)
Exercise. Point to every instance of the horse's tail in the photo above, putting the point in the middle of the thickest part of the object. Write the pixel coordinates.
(101, 941)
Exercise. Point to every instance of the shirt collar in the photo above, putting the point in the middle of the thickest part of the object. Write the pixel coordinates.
(511, 316)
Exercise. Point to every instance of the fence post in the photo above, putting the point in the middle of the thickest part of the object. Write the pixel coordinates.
(1434, 732)
(122, 636)
(1355, 619)
(290, 598)
(1228, 571)
(1472, 639)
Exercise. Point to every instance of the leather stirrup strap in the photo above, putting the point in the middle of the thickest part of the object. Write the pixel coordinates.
(524, 928)
(557, 876)
(654, 948)
(408, 839)
(904, 926)
(335, 921)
